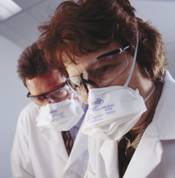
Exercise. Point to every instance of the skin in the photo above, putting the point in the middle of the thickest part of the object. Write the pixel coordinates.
(45, 83)
(113, 77)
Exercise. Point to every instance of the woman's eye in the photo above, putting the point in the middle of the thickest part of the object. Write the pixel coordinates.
(40, 98)
(104, 69)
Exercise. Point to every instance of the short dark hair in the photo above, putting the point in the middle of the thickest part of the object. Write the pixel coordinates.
(85, 26)
(32, 63)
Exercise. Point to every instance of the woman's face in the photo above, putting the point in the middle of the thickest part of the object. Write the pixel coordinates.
(103, 68)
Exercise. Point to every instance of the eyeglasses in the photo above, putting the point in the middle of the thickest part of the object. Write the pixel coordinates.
(113, 52)
(58, 94)
(108, 64)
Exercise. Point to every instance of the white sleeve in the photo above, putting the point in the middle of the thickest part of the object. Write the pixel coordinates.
(21, 165)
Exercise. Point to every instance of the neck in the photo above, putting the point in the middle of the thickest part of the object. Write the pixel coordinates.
(151, 105)
(150, 92)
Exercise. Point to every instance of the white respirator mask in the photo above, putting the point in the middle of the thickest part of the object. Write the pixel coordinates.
(62, 115)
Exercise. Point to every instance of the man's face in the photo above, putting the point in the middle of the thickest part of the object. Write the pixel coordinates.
(44, 88)
(101, 70)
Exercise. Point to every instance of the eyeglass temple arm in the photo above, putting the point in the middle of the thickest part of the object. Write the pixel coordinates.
(115, 51)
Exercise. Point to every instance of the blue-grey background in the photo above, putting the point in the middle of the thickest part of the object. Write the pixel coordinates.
(21, 30)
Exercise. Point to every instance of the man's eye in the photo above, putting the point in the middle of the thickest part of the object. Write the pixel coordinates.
(61, 93)
(40, 98)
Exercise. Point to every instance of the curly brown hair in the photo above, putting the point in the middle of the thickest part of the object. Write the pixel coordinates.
(85, 26)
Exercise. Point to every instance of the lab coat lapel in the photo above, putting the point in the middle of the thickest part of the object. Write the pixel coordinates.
(146, 157)
(164, 119)
(108, 152)
(54, 138)
(148, 154)
(77, 161)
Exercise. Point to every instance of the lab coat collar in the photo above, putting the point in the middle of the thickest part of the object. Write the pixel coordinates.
(148, 154)
(146, 158)
(78, 157)
(163, 122)
(55, 138)
(79, 153)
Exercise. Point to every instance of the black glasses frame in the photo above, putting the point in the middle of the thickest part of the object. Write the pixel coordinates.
(114, 51)
(44, 95)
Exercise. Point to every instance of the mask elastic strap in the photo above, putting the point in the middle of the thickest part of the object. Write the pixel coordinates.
(134, 61)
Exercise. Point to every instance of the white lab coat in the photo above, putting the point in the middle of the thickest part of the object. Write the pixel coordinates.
(40, 152)
(155, 154)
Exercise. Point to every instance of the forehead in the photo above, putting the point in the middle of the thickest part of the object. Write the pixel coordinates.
(86, 61)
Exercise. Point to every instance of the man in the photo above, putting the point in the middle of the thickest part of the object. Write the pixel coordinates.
(118, 59)
(48, 126)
